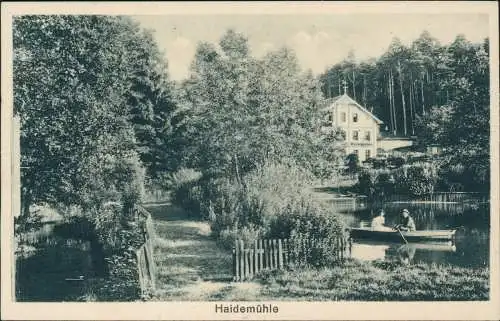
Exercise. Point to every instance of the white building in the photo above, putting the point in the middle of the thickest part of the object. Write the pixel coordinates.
(360, 127)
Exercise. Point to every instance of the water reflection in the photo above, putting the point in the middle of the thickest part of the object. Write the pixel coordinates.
(402, 253)
(470, 248)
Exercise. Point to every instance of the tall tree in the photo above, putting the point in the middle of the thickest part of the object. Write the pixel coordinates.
(72, 82)
(242, 112)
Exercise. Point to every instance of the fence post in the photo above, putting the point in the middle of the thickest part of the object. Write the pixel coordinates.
(280, 254)
(255, 258)
(247, 265)
(150, 262)
(242, 260)
(261, 255)
(250, 262)
(139, 269)
(275, 254)
(153, 263)
(264, 254)
(271, 253)
(287, 253)
(235, 261)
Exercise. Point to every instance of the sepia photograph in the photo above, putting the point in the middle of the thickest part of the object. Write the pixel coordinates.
(250, 160)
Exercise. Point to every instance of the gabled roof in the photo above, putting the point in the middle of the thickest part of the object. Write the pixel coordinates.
(331, 103)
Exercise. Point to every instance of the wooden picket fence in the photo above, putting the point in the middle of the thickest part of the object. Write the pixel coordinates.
(271, 254)
(145, 257)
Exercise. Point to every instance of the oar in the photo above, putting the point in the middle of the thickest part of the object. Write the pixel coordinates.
(402, 235)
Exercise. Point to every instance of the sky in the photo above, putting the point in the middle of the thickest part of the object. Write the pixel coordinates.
(319, 41)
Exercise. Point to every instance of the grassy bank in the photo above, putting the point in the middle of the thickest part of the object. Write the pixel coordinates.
(191, 266)
(378, 281)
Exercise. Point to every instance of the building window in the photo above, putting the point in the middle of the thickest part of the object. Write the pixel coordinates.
(354, 118)
(368, 135)
(343, 134)
(343, 117)
(355, 135)
(367, 154)
(355, 152)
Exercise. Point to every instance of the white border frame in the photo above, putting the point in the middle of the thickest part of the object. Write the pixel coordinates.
(206, 310)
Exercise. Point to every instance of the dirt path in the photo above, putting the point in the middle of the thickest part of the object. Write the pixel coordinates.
(190, 265)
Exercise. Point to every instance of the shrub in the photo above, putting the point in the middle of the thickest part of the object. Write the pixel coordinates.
(248, 234)
(376, 182)
(121, 180)
(254, 202)
(396, 161)
(313, 231)
(367, 179)
(186, 191)
(465, 175)
(385, 184)
(184, 176)
(121, 234)
(417, 179)
(273, 201)
(27, 223)
(352, 163)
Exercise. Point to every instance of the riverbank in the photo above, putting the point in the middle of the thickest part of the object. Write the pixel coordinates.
(192, 267)
(378, 281)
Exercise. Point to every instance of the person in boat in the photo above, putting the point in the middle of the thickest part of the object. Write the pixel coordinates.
(378, 222)
(407, 222)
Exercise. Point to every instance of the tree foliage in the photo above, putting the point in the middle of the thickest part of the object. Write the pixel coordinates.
(242, 111)
(406, 81)
(86, 88)
(438, 93)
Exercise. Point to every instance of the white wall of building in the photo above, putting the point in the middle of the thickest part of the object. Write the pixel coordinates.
(390, 143)
(343, 116)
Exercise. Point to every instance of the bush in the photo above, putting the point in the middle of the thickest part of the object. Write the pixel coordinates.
(273, 201)
(367, 180)
(186, 191)
(121, 234)
(252, 204)
(417, 179)
(385, 184)
(248, 234)
(465, 175)
(184, 176)
(352, 161)
(396, 161)
(313, 232)
(376, 183)
(121, 179)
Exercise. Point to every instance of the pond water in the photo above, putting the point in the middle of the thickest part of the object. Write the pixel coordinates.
(469, 249)
(54, 268)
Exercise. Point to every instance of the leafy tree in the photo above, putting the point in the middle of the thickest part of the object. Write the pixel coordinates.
(73, 79)
(461, 126)
(152, 102)
(241, 112)
(439, 93)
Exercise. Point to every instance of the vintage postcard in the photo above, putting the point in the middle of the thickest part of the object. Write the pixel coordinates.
(238, 160)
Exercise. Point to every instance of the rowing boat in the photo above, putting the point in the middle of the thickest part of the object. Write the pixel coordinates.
(438, 246)
(394, 235)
